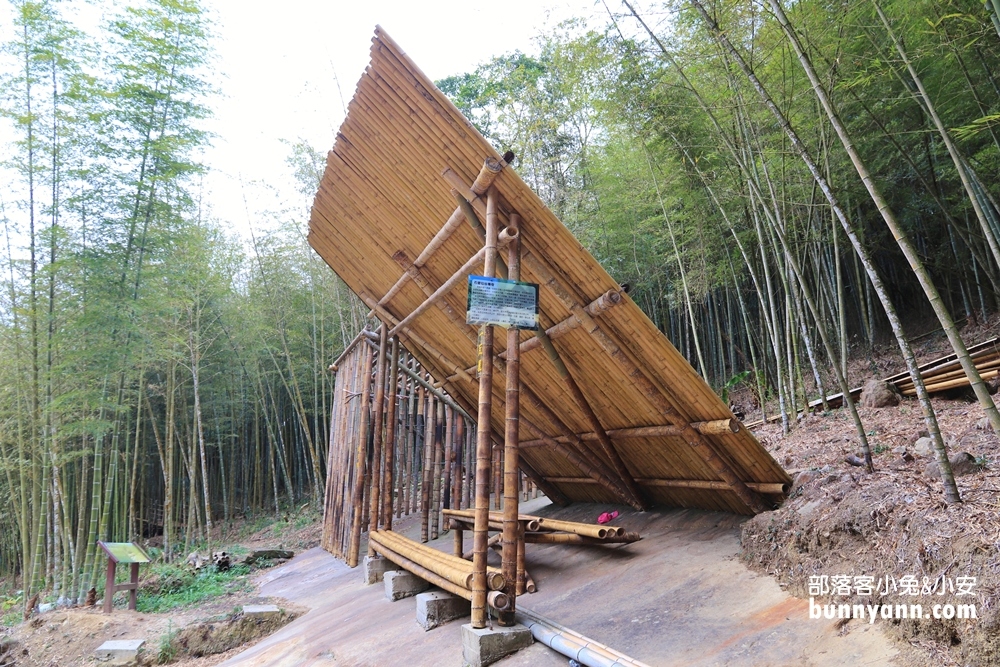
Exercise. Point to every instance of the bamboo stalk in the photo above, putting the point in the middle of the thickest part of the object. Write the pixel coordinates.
(511, 474)
(359, 462)
(483, 432)
(571, 538)
(390, 437)
(374, 496)
(457, 570)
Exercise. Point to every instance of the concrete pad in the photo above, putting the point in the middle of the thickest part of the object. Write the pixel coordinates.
(401, 584)
(119, 651)
(261, 611)
(376, 567)
(484, 646)
(436, 608)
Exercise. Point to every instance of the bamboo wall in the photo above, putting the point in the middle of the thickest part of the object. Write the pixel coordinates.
(423, 480)
(610, 411)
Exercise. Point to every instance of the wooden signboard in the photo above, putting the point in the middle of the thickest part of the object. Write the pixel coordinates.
(122, 552)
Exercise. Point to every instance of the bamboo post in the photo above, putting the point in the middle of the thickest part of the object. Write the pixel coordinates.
(484, 431)
(379, 419)
(439, 428)
(449, 459)
(425, 485)
(511, 474)
(458, 534)
(521, 574)
(390, 437)
(458, 448)
(360, 457)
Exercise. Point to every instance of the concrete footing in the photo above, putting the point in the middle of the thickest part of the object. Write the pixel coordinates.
(375, 568)
(436, 608)
(483, 646)
(119, 651)
(262, 611)
(402, 584)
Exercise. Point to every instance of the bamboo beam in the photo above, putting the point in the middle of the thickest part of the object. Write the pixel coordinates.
(717, 427)
(550, 491)
(446, 287)
(490, 170)
(769, 488)
(571, 538)
(362, 335)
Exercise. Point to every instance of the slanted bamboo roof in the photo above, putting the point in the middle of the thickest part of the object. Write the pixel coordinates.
(387, 192)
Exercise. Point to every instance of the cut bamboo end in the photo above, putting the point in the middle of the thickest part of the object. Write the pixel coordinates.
(488, 173)
(498, 600)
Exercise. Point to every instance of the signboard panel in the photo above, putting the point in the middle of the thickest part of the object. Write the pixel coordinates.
(507, 303)
(125, 552)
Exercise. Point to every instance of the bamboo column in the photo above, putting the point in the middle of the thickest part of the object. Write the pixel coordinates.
(449, 459)
(436, 470)
(390, 437)
(425, 484)
(511, 473)
(360, 456)
(483, 432)
(379, 419)
(458, 447)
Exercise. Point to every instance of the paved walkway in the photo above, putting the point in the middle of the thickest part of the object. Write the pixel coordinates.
(678, 597)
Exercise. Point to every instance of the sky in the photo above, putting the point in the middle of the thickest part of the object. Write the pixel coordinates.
(287, 70)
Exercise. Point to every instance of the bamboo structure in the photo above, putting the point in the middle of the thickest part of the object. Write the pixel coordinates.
(403, 136)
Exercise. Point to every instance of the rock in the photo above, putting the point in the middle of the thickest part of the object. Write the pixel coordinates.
(804, 477)
(855, 461)
(922, 433)
(899, 450)
(962, 463)
(878, 394)
(923, 447)
(267, 554)
(984, 423)
(810, 508)
(45, 607)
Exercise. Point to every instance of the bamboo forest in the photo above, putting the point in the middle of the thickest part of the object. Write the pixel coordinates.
(784, 188)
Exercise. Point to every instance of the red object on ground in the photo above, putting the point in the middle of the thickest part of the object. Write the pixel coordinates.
(607, 517)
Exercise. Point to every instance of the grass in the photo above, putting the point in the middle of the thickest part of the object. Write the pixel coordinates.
(174, 586)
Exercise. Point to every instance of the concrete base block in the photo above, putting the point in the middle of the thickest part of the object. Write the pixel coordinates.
(401, 584)
(436, 608)
(376, 567)
(262, 611)
(483, 646)
(119, 651)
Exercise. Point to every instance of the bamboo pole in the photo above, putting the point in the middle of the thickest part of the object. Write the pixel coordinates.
(483, 432)
(379, 419)
(360, 457)
(456, 569)
(769, 488)
(572, 538)
(511, 474)
(717, 427)
(390, 437)
(439, 427)
(425, 486)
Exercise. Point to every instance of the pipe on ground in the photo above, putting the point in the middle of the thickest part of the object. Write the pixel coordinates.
(573, 645)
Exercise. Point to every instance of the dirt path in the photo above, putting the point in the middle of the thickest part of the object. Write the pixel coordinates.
(680, 596)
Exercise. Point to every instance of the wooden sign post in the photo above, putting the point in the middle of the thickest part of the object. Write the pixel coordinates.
(122, 552)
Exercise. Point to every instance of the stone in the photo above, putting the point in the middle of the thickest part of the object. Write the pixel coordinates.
(484, 646)
(45, 607)
(922, 433)
(923, 447)
(962, 463)
(810, 507)
(375, 568)
(436, 608)
(401, 584)
(878, 394)
(262, 611)
(804, 478)
(119, 651)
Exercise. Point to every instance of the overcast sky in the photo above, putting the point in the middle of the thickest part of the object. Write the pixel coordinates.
(280, 64)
